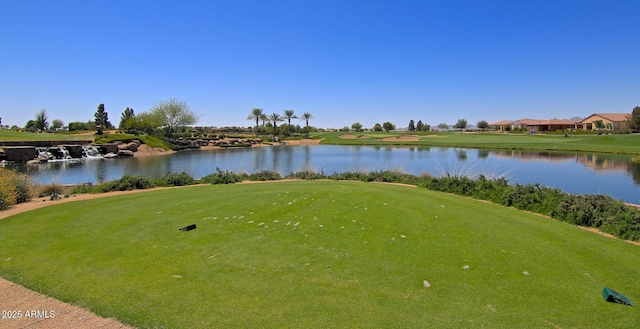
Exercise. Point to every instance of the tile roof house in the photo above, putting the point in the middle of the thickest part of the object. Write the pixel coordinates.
(609, 121)
(504, 125)
(544, 125)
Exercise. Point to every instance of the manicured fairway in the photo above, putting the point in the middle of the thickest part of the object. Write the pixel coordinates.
(622, 144)
(319, 254)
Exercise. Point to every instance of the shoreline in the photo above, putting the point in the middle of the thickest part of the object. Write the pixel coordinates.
(146, 151)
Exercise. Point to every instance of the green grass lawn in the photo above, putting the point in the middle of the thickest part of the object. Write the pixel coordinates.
(10, 135)
(625, 144)
(319, 254)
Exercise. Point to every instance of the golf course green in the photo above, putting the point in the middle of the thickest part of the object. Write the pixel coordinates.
(319, 254)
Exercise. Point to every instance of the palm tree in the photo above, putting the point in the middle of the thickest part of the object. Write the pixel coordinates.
(275, 117)
(255, 114)
(289, 115)
(306, 117)
(263, 118)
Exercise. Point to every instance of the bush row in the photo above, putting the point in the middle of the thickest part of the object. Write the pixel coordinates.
(599, 211)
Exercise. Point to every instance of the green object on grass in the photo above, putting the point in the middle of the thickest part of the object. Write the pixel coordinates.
(615, 297)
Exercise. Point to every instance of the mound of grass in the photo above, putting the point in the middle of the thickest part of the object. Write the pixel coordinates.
(319, 254)
(150, 141)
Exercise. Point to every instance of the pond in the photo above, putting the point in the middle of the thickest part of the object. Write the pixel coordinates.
(583, 173)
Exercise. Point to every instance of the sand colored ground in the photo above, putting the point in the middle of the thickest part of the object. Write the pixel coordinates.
(408, 138)
(145, 150)
(29, 309)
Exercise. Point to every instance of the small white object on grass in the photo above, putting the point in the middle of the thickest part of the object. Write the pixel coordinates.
(525, 272)
(426, 284)
(466, 267)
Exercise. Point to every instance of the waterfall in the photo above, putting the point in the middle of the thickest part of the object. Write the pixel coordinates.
(65, 153)
(90, 151)
(43, 153)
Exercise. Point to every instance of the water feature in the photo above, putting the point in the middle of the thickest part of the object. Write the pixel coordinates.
(90, 151)
(583, 173)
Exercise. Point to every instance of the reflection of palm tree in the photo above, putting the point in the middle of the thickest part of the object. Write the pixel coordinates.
(255, 115)
(275, 117)
(306, 117)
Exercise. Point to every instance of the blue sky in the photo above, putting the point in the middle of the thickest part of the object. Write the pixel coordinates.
(342, 61)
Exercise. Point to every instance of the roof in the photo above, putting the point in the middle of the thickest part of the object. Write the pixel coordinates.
(534, 122)
(503, 122)
(614, 117)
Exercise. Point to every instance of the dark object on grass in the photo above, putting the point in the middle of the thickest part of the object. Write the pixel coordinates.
(615, 297)
(188, 227)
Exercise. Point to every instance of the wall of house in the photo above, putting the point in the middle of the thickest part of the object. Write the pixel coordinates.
(589, 123)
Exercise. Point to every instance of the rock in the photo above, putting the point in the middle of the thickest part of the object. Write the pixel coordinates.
(110, 155)
(133, 146)
(125, 153)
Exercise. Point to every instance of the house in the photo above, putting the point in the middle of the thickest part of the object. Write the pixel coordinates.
(535, 125)
(609, 121)
(504, 125)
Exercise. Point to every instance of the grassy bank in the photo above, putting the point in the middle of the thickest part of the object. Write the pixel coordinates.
(318, 254)
(622, 144)
(10, 135)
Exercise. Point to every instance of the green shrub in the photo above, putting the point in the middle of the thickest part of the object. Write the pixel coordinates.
(126, 183)
(307, 174)
(173, 179)
(221, 177)
(265, 175)
(84, 189)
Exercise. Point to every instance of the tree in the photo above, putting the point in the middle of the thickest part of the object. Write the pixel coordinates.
(388, 126)
(461, 124)
(633, 120)
(306, 116)
(412, 125)
(56, 124)
(173, 113)
(420, 126)
(443, 126)
(42, 120)
(126, 115)
(357, 127)
(483, 125)
(30, 126)
(146, 122)
(599, 124)
(256, 114)
(289, 114)
(377, 127)
(275, 117)
(263, 118)
(102, 120)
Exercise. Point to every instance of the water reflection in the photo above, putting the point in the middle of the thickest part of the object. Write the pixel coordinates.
(615, 175)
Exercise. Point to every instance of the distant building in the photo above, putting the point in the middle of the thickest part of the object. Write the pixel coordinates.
(609, 120)
(504, 125)
(536, 125)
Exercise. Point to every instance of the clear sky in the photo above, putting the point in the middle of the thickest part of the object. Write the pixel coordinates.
(343, 61)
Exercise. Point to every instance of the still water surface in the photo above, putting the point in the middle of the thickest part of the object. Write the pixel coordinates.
(582, 173)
